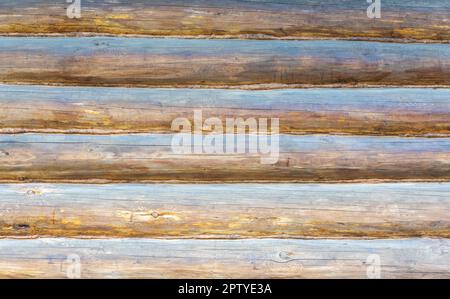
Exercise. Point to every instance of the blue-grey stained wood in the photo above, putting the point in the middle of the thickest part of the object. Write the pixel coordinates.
(155, 62)
(412, 20)
(226, 210)
(384, 111)
(270, 258)
(151, 158)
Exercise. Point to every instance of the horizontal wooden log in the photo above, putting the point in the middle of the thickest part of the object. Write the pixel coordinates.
(271, 258)
(220, 63)
(425, 20)
(226, 210)
(149, 157)
(405, 112)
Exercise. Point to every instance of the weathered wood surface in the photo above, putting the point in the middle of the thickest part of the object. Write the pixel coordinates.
(146, 258)
(226, 210)
(150, 157)
(220, 63)
(405, 112)
(425, 20)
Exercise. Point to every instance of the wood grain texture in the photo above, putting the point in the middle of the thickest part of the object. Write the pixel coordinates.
(103, 61)
(423, 20)
(150, 158)
(146, 258)
(226, 210)
(404, 112)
